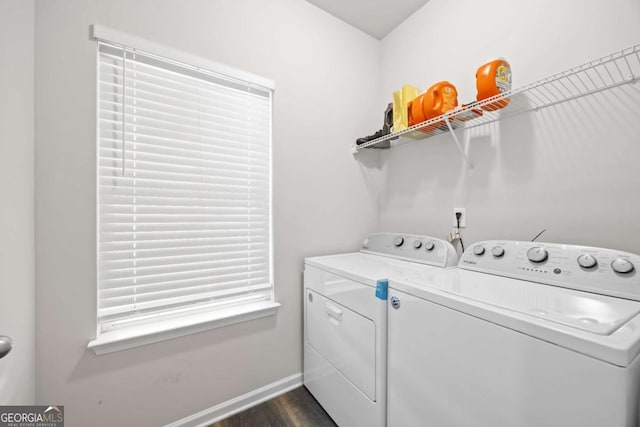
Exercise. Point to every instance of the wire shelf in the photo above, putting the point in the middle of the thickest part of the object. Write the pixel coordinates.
(616, 69)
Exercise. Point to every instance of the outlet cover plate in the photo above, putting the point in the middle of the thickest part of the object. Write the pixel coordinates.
(463, 218)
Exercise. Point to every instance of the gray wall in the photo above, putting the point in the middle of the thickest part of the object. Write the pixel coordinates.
(17, 315)
(572, 168)
(326, 75)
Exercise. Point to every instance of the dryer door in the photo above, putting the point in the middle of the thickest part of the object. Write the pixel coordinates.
(344, 338)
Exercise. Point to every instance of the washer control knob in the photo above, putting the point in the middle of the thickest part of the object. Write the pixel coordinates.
(395, 302)
(398, 241)
(587, 261)
(478, 250)
(497, 251)
(537, 254)
(429, 246)
(417, 244)
(622, 265)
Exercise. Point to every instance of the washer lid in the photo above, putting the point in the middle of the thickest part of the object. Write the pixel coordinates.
(593, 313)
(367, 268)
(603, 327)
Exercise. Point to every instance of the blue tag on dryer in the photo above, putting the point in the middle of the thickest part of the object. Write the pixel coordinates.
(382, 289)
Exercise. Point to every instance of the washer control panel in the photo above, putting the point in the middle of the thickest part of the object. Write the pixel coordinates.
(596, 270)
(412, 247)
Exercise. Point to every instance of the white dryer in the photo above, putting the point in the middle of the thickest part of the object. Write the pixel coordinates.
(521, 334)
(345, 321)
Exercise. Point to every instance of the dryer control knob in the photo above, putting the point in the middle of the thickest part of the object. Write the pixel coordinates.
(537, 254)
(398, 241)
(587, 261)
(478, 250)
(622, 265)
(497, 251)
(417, 244)
(429, 246)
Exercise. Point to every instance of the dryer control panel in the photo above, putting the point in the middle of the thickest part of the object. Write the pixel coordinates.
(412, 247)
(596, 270)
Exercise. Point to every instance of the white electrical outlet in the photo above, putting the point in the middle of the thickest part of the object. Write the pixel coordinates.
(463, 217)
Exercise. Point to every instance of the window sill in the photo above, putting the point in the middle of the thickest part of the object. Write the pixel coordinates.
(122, 339)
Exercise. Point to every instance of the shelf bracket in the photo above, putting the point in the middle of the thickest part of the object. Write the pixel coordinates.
(455, 138)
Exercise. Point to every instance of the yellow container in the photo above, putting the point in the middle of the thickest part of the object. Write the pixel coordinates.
(401, 100)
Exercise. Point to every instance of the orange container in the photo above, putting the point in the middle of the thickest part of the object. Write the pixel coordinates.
(415, 112)
(493, 78)
(435, 101)
(438, 99)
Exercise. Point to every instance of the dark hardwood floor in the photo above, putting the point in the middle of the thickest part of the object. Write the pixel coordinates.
(296, 408)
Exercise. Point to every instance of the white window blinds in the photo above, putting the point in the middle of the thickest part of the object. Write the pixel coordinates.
(184, 181)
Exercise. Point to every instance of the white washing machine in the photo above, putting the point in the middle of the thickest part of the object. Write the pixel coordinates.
(345, 321)
(521, 334)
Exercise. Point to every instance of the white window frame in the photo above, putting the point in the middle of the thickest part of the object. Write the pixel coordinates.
(190, 321)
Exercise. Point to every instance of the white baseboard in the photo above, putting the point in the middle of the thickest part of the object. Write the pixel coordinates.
(240, 403)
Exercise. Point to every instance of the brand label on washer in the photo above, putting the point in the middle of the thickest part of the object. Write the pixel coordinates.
(382, 289)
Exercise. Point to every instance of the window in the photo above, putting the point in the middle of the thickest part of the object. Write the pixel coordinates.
(184, 196)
